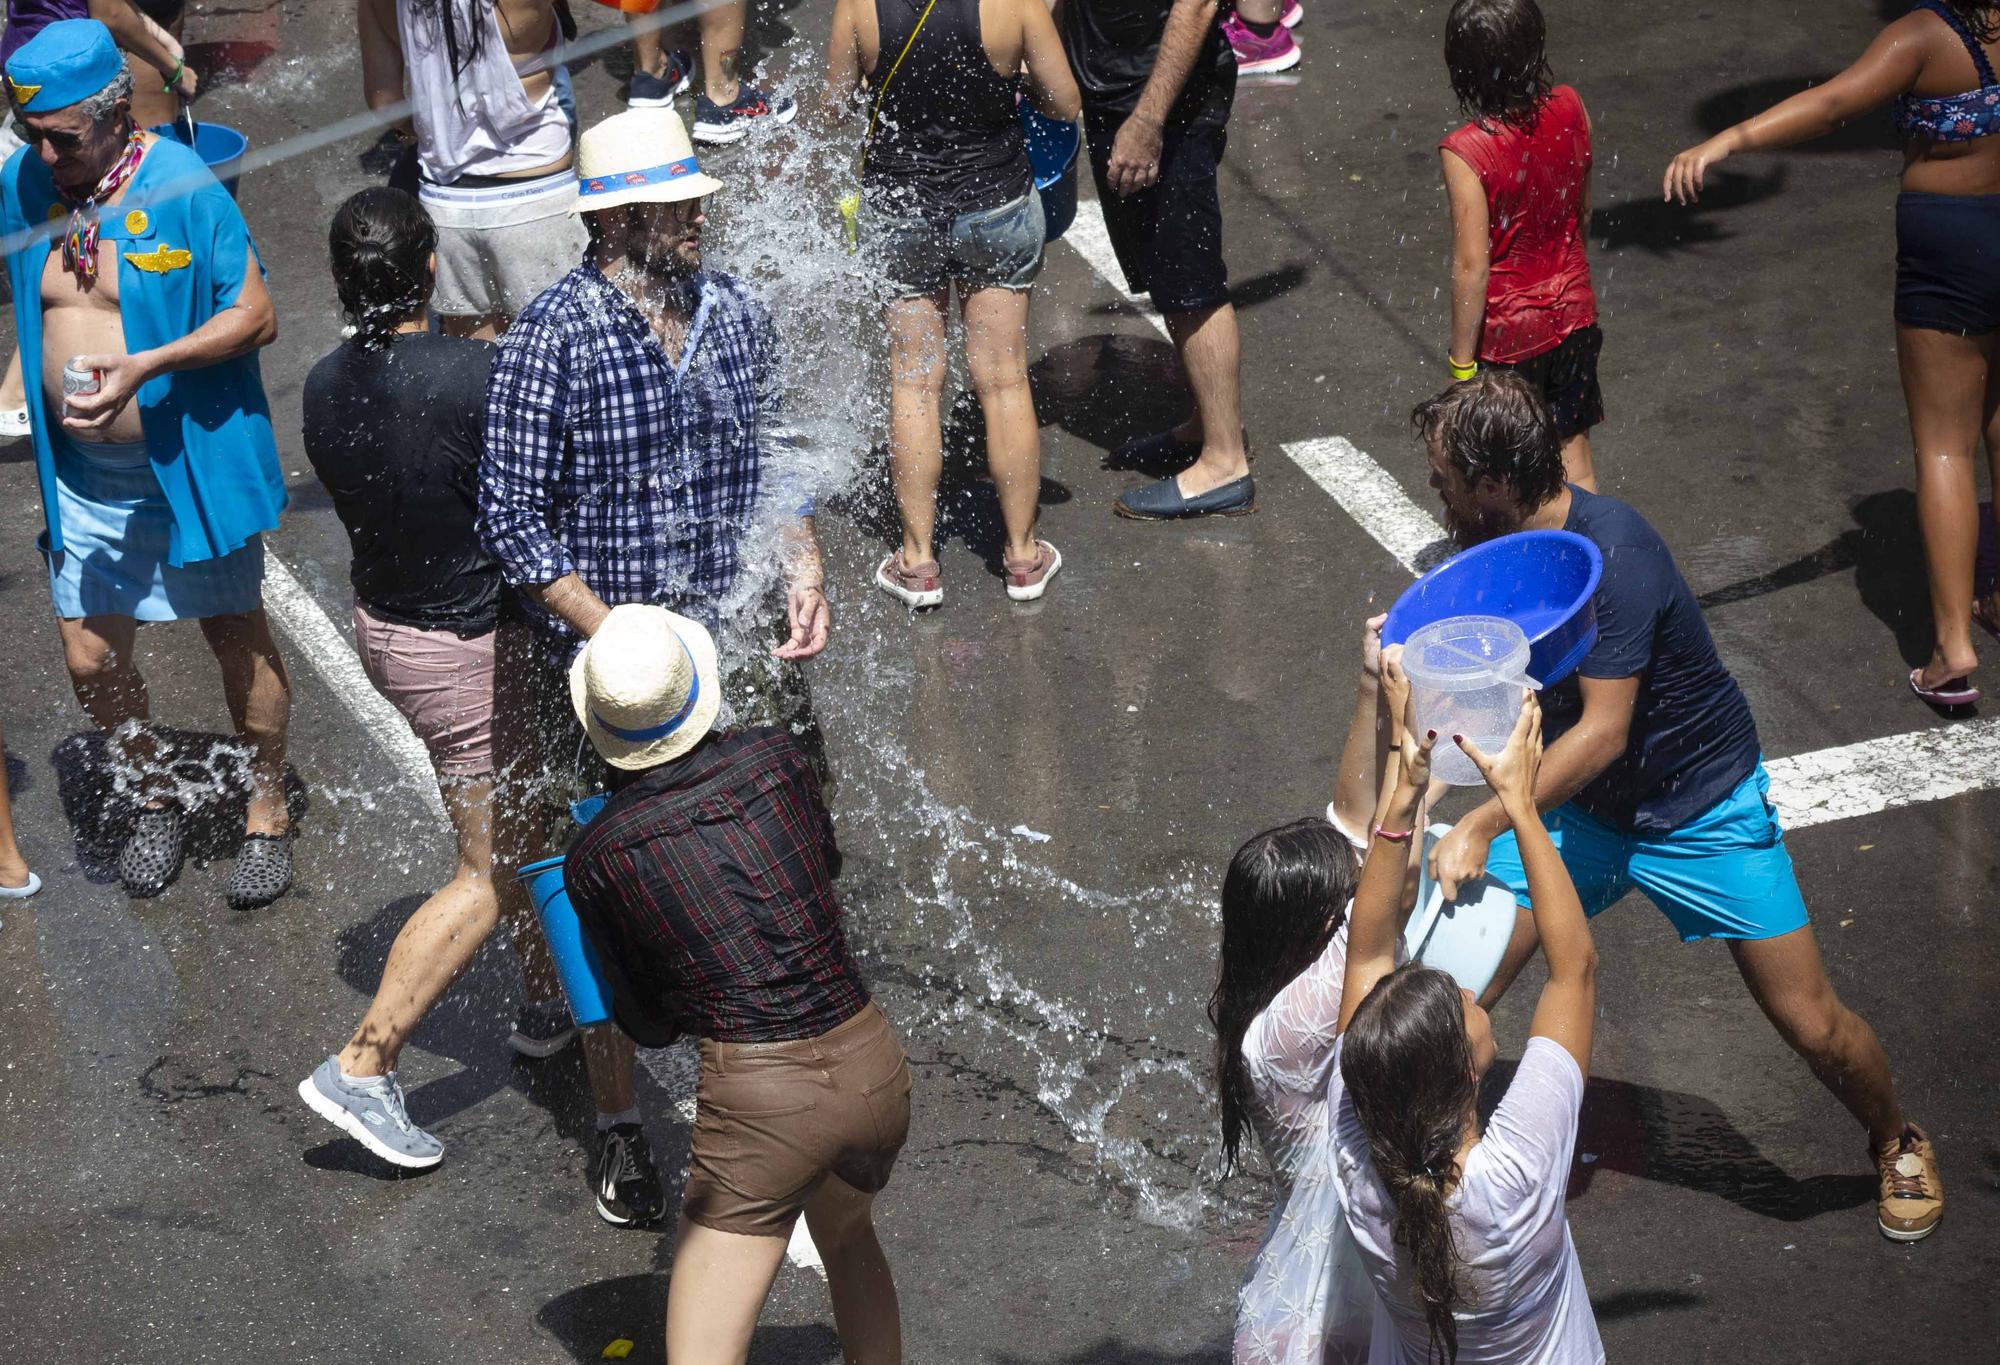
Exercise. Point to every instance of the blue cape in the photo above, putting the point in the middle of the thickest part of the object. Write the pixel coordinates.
(208, 431)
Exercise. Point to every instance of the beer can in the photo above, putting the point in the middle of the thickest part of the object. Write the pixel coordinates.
(77, 380)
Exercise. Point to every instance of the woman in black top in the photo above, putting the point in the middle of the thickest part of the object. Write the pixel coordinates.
(947, 195)
(393, 422)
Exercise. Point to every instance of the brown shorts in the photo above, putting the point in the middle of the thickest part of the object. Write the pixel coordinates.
(773, 1120)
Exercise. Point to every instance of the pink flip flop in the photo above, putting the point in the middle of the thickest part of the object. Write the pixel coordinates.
(1957, 692)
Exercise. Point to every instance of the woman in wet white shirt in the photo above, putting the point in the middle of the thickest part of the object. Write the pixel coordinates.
(1462, 1231)
(1276, 1008)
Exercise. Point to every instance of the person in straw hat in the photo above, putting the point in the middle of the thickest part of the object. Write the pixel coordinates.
(635, 452)
(706, 887)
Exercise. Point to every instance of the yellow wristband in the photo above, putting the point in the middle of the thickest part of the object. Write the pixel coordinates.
(1458, 371)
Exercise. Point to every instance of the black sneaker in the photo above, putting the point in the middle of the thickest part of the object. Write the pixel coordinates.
(151, 858)
(542, 1028)
(622, 1178)
(647, 91)
(715, 125)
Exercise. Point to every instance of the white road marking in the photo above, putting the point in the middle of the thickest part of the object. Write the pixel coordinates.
(1808, 789)
(319, 642)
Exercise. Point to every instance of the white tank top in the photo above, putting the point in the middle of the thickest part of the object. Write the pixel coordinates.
(478, 120)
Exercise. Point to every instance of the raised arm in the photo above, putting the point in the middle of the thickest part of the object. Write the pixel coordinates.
(843, 61)
(1051, 84)
(1471, 258)
(146, 40)
(1135, 153)
(1358, 781)
(1376, 921)
(1569, 1000)
(1888, 68)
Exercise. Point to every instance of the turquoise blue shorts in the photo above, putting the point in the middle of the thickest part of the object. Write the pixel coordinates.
(1725, 874)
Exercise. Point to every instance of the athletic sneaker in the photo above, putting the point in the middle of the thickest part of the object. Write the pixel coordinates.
(1294, 12)
(1261, 56)
(1028, 580)
(542, 1028)
(715, 125)
(623, 1180)
(14, 423)
(917, 586)
(647, 91)
(371, 1113)
(1911, 1198)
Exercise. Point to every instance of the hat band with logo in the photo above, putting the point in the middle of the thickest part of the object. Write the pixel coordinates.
(593, 185)
(667, 726)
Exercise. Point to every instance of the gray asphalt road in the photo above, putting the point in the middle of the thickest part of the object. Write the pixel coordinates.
(1182, 687)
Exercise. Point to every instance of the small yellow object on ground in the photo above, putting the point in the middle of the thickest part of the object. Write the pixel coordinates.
(618, 1349)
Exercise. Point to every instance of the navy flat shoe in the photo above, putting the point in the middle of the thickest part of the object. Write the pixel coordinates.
(1164, 501)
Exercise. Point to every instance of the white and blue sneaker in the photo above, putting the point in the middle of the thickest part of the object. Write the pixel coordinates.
(371, 1112)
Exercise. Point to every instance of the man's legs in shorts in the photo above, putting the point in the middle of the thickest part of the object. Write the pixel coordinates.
(259, 693)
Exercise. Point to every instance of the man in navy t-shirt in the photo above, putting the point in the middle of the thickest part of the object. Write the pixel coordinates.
(1653, 772)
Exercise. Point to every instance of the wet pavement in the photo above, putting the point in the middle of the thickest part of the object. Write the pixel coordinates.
(1038, 802)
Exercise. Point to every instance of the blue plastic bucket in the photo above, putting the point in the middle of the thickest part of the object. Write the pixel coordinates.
(1052, 150)
(1542, 581)
(217, 144)
(576, 961)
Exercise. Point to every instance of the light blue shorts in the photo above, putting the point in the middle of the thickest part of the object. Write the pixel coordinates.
(997, 248)
(117, 530)
(1725, 874)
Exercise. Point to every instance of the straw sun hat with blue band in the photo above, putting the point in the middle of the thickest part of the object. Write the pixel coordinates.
(641, 156)
(67, 62)
(646, 686)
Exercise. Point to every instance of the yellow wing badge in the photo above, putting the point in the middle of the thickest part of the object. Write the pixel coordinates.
(24, 93)
(161, 259)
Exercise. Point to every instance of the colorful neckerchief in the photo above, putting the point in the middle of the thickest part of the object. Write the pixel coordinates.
(79, 243)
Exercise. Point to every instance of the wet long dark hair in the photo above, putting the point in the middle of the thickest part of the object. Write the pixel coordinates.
(443, 13)
(1283, 899)
(1407, 1064)
(1980, 17)
(1496, 53)
(381, 242)
(1496, 424)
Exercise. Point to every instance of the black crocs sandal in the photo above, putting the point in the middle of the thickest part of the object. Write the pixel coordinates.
(263, 871)
(152, 856)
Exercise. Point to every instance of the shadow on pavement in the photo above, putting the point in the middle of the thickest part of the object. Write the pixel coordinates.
(587, 1319)
(1108, 388)
(1632, 1303)
(1652, 224)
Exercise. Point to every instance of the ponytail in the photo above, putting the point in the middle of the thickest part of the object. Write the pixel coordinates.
(1408, 1067)
(381, 243)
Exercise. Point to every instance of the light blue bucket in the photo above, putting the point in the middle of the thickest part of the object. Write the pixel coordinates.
(1052, 149)
(1467, 937)
(576, 961)
(217, 144)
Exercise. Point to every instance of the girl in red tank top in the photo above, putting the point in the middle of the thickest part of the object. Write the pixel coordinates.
(1518, 176)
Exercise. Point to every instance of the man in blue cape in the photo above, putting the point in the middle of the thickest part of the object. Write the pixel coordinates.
(127, 258)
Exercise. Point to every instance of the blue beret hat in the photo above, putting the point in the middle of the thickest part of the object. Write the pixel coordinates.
(68, 61)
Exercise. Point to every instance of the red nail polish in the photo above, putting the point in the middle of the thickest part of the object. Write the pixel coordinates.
(1430, 734)
(1458, 739)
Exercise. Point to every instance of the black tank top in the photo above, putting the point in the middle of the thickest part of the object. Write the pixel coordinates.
(947, 140)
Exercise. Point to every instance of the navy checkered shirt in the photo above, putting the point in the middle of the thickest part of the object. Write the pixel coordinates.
(609, 459)
(706, 886)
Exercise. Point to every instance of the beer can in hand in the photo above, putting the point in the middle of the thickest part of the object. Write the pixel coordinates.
(77, 379)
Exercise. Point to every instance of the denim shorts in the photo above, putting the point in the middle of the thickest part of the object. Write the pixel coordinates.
(997, 248)
(1724, 874)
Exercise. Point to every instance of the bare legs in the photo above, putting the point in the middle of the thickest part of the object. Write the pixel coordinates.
(1952, 386)
(13, 867)
(721, 31)
(720, 1281)
(438, 941)
(1577, 466)
(102, 669)
(996, 353)
(1208, 346)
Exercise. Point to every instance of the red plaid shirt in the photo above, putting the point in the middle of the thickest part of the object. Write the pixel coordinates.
(706, 886)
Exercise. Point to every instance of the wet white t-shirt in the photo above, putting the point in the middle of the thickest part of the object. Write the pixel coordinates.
(1522, 1296)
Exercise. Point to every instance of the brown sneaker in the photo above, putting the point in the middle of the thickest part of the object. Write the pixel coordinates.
(1912, 1198)
(1029, 579)
(915, 586)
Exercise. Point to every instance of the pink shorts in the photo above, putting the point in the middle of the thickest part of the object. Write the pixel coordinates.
(442, 684)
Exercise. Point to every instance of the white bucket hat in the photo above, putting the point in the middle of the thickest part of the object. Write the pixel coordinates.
(646, 686)
(637, 157)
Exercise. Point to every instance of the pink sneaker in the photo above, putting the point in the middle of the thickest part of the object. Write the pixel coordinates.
(1261, 56)
(1294, 12)
(1026, 582)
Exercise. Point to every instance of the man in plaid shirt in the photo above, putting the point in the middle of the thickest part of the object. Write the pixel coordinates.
(633, 424)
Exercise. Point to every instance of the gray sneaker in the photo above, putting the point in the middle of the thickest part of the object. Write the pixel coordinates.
(373, 1116)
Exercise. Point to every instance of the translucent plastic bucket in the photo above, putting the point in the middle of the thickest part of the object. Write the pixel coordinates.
(576, 961)
(1466, 675)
